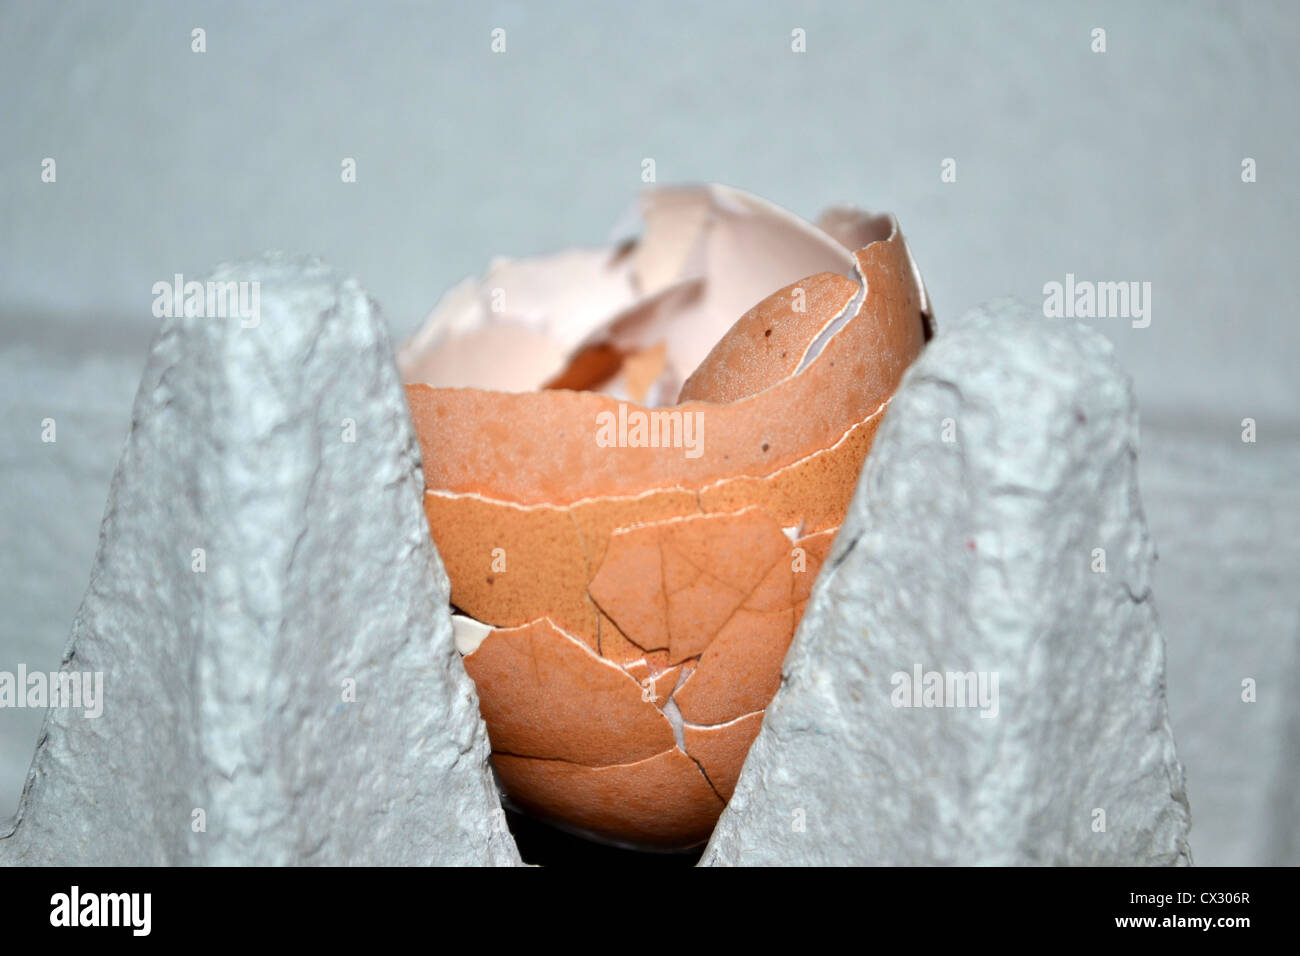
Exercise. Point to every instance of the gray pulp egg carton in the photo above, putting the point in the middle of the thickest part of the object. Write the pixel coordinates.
(979, 677)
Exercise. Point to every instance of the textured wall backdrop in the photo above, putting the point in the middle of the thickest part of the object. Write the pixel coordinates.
(1117, 166)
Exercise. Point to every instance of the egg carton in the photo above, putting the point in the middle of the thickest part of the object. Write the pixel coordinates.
(978, 678)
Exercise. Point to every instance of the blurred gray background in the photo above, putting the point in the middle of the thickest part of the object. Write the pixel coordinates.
(1115, 166)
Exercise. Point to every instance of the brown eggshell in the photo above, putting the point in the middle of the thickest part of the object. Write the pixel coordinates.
(747, 248)
(545, 694)
(556, 460)
(598, 518)
(660, 684)
(813, 493)
(691, 576)
(706, 254)
(663, 801)
(612, 643)
(643, 327)
(589, 368)
(766, 345)
(656, 676)
(545, 563)
(644, 587)
(741, 668)
(816, 548)
(721, 750)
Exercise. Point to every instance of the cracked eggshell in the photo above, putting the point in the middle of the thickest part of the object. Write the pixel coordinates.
(540, 448)
(629, 639)
(706, 254)
(664, 801)
(694, 575)
(721, 750)
(549, 696)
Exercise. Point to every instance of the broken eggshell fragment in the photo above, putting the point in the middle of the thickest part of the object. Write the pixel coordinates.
(636, 459)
